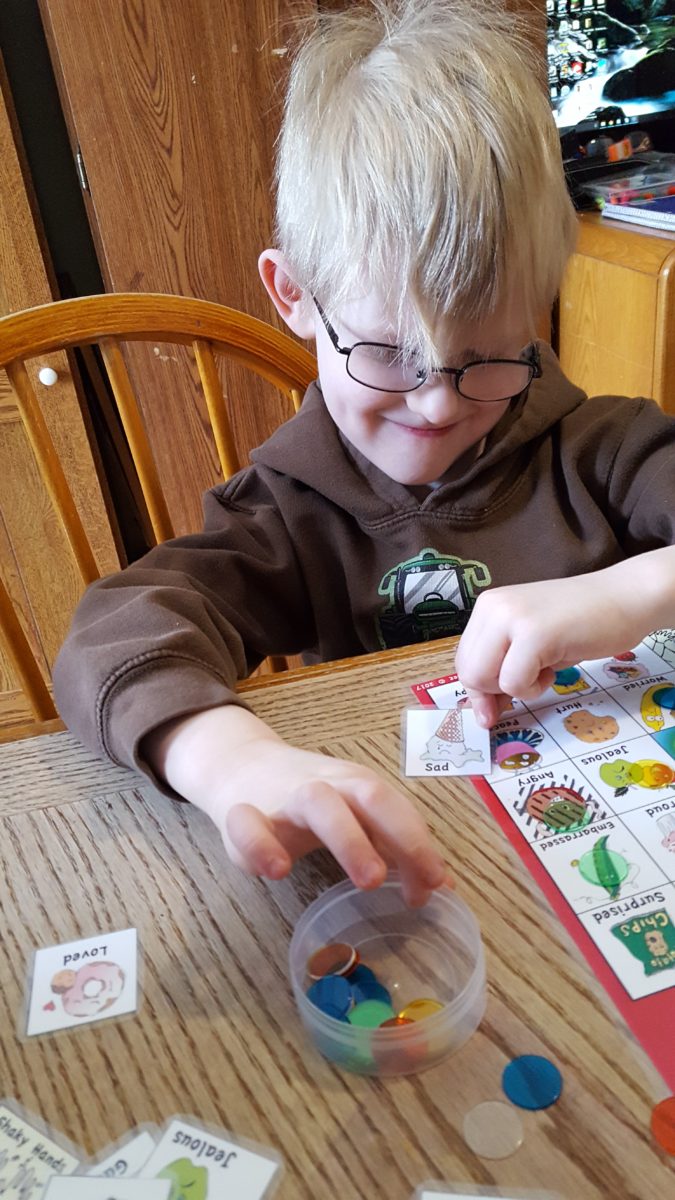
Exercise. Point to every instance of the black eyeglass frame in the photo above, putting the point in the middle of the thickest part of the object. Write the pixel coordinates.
(533, 361)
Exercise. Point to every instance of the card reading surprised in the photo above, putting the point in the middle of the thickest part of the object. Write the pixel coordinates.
(79, 982)
(445, 742)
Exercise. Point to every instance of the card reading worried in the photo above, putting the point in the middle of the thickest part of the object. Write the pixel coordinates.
(79, 982)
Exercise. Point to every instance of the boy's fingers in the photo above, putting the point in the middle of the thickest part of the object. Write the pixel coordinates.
(398, 828)
(324, 810)
(487, 707)
(257, 848)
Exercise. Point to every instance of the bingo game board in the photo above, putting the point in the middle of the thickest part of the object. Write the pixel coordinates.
(583, 784)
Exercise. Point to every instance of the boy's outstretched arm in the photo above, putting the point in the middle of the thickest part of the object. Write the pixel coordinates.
(273, 802)
(517, 637)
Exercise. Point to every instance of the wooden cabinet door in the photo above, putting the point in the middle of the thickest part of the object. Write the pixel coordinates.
(35, 559)
(175, 106)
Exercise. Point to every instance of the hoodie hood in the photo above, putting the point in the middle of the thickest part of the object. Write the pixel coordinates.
(311, 450)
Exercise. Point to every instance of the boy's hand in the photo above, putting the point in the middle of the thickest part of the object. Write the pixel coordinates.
(518, 637)
(273, 803)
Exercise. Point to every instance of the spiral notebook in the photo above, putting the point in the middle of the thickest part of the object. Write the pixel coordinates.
(659, 213)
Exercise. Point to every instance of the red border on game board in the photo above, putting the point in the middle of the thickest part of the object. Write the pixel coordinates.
(651, 1018)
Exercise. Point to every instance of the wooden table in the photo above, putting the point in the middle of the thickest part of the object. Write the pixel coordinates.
(217, 1036)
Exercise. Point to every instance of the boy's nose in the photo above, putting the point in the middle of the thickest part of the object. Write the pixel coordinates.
(437, 400)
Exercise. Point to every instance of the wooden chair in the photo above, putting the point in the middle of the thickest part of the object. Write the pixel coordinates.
(210, 329)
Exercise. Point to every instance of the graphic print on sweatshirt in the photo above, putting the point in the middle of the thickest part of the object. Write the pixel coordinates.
(428, 596)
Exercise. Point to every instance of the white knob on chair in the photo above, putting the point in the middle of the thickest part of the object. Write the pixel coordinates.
(48, 376)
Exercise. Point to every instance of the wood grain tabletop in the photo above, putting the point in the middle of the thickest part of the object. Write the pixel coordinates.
(87, 848)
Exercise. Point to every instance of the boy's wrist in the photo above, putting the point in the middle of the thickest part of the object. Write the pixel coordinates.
(198, 755)
(644, 588)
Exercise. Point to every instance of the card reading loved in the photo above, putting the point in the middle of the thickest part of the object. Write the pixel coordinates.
(202, 1164)
(79, 982)
(28, 1158)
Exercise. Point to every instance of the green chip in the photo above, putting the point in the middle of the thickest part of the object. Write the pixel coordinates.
(370, 1014)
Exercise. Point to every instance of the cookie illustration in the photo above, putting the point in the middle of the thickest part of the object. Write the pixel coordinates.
(591, 727)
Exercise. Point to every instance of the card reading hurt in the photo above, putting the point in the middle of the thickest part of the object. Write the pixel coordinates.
(79, 982)
(28, 1158)
(86, 1188)
(202, 1165)
(445, 742)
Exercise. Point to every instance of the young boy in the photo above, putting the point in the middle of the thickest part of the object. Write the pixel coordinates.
(442, 473)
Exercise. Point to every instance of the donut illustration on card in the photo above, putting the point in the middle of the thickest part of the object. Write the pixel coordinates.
(90, 990)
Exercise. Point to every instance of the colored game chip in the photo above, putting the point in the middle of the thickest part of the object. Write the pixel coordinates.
(493, 1130)
(332, 995)
(663, 1124)
(370, 1014)
(395, 1022)
(366, 986)
(336, 959)
(417, 1010)
(531, 1081)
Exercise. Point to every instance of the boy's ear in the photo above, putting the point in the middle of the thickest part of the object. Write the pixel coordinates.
(289, 299)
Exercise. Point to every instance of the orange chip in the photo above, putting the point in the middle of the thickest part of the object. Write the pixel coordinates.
(394, 1021)
(663, 1124)
(336, 959)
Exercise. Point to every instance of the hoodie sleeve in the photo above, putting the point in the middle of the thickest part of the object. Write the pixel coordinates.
(641, 477)
(172, 633)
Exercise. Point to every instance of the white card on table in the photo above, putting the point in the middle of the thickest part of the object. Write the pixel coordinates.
(445, 742)
(83, 1187)
(79, 982)
(28, 1157)
(202, 1164)
(127, 1159)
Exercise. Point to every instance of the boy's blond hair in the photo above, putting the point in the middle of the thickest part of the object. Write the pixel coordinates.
(419, 159)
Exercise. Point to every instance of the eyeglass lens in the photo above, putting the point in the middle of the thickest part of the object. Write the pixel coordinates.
(381, 367)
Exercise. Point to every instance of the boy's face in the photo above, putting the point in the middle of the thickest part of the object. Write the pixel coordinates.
(415, 436)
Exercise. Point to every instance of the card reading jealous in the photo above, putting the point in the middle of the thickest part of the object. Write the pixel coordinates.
(445, 742)
(79, 982)
(202, 1164)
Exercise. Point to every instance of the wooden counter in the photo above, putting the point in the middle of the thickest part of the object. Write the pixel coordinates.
(617, 311)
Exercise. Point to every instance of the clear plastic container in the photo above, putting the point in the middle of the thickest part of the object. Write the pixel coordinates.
(432, 952)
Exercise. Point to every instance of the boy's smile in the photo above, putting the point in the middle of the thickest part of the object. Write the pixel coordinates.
(413, 436)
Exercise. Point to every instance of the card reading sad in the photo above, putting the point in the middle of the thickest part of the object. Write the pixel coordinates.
(83, 1187)
(79, 982)
(28, 1157)
(445, 742)
(202, 1164)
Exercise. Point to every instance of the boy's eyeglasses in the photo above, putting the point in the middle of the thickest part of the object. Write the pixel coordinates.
(379, 366)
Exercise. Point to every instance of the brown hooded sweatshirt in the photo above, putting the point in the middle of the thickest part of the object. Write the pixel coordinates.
(313, 550)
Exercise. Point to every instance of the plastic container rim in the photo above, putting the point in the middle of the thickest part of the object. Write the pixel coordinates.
(343, 1031)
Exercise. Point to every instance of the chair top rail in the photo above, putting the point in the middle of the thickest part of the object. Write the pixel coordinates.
(133, 316)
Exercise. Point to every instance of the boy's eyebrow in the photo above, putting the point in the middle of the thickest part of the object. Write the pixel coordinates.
(470, 354)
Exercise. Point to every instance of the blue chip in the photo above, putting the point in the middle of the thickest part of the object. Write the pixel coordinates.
(332, 995)
(365, 985)
(531, 1081)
